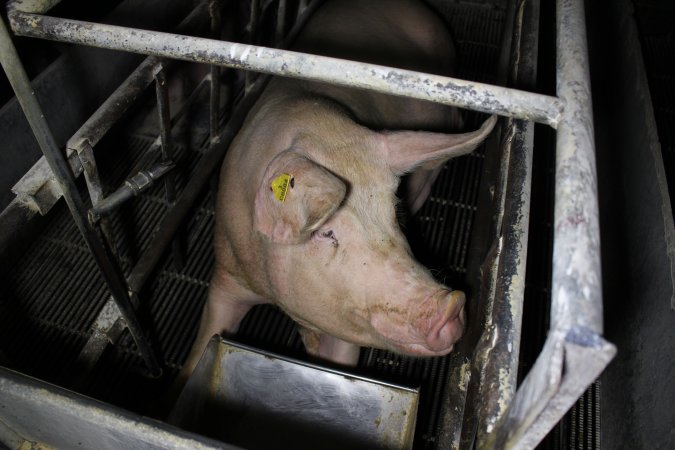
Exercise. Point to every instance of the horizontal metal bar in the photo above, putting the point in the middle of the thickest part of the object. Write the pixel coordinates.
(37, 188)
(131, 88)
(107, 326)
(445, 90)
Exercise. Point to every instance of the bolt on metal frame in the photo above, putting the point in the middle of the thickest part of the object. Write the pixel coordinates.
(575, 352)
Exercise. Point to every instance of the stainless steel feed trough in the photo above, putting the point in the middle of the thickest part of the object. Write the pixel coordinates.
(575, 352)
(259, 400)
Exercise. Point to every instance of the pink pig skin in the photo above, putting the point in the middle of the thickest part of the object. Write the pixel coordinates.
(331, 255)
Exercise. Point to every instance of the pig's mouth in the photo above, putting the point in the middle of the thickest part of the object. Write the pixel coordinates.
(430, 334)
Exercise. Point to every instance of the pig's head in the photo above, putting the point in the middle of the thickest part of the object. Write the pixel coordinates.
(338, 261)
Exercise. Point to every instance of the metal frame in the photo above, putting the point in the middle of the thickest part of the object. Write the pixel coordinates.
(450, 91)
(575, 352)
(69, 420)
(61, 169)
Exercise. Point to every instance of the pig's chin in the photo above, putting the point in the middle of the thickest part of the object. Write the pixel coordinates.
(418, 349)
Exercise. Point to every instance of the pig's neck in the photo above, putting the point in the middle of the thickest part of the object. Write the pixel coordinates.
(315, 125)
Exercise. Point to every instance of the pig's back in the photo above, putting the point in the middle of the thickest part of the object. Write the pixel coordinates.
(405, 34)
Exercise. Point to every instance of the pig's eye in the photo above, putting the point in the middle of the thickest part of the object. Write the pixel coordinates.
(326, 235)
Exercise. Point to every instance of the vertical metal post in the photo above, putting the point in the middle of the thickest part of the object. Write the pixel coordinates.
(575, 353)
(302, 5)
(85, 153)
(281, 23)
(163, 109)
(253, 29)
(9, 59)
(576, 284)
(164, 112)
(216, 32)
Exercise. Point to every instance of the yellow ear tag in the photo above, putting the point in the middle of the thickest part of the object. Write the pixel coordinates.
(280, 186)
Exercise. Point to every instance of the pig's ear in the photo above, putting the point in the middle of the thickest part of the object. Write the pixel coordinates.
(295, 198)
(411, 150)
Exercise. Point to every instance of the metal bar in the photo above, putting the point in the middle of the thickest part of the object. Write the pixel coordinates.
(206, 165)
(69, 420)
(500, 250)
(143, 178)
(216, 22)
(574, 354)
(24, 93)
(161, 90)
(500, 370)
(281, 22)
(95, 188)
(564, 370)
(114, 107)
(107, 326)
(252, 28)
(164, 112)
(91, 174)
(37, 188)
(33, 188)
(445, 90)
(576, 283)
(131, 188)
(204, 168)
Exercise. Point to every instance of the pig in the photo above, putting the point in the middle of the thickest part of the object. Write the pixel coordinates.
(306, 207)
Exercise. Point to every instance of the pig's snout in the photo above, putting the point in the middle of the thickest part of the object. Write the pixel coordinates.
(431, 327)
(449, 323)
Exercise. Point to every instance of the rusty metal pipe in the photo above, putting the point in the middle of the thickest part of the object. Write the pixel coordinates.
(445, 90)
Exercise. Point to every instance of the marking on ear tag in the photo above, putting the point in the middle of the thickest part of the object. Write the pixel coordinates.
(280, 186)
